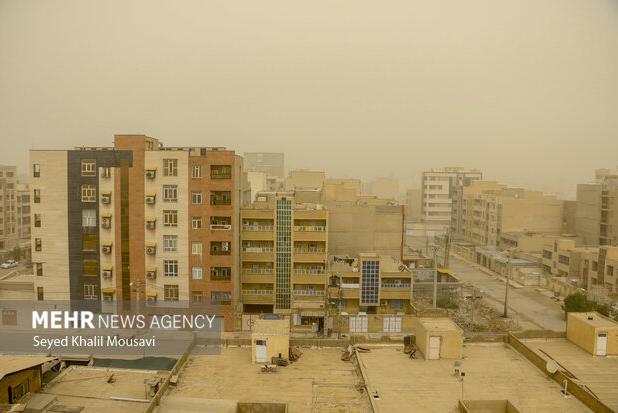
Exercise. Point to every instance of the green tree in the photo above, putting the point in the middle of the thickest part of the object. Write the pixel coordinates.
(578, 302)
(17, 253)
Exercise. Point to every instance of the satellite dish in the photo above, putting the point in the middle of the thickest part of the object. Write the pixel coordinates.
(551, 367)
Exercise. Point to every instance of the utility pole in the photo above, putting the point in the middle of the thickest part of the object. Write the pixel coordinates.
(435, 278)
(447, 248)
(506, 290)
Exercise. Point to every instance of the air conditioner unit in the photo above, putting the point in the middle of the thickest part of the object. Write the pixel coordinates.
(151, 274)
(106, 222)
(106, 198)
(384, 303)
(107, 273)
(107, 249)
(108, 297)
(225, 246)
(151, 250)
(151, 224)
(150, 199)
(151, 174)
(151, 300)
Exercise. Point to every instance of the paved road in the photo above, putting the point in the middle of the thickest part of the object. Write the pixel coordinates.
(524, 303)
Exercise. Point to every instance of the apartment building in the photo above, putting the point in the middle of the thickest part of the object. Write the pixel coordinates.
(384, 187)
(283, 257)
(270, 163)
(304, 178)
(369, 284)
(439, 189)
(489, 209)
(11, 217)
(22, 198)
(138, 221)
(596, 216)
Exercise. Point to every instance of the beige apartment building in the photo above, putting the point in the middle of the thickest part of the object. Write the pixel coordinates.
(283, 258)
(489, 209)
(439, 187)
(304, 178)
(384, 187)
(138, 221)
(596, 219)
(14, 213)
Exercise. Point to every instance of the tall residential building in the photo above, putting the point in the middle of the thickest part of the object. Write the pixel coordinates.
(22, 197)
(138, 221)
(284, 249)
(271, 163)
(9, 238)
(489, 210)
(596, 216)
(303, 179)
(439, 187)
(384, 187)
(413, 205)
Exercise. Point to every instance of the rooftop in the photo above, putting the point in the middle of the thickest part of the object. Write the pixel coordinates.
(492, 371)
(318, 381)
(597, 319)
(12, 364)
(439, 324)
(599, 374)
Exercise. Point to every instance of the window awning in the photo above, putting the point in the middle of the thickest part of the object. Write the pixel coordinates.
(151, 293)
(151, 219)
(108, 267)
(154, 194)
(151, 244)
(106, 193)
(106, 243)
(151, 168)
(151, 269)
(109, 290)
(106, 215)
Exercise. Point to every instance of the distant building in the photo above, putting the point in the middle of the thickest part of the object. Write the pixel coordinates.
(384, 187)
(9, 238)
(20, 375)
(270, 163)
(138, 221)
(304, 179)
(596, 216)
(284, 250)
(414, 203)
(439, 187)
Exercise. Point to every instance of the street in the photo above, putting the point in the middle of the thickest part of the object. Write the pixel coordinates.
(527, 305)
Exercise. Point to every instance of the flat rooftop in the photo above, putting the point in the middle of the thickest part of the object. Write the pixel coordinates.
(492, 371)
(599, 374)
(318, 382)
(88, 387)
(597, 319)
(439, 324)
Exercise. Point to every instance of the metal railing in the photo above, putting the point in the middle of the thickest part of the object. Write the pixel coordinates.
(258, 250)
(257, 292)
(309, 292)
(391, 285)
(225, 227)
(257, 228)
(309, 228)
(307, 251)
(259, 271)
(309, 271)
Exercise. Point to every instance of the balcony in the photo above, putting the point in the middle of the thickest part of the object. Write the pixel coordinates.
(220, 172)
(257, 254)
(396, 286)
(396, 294)
(309, 271)
(257, 296)
(221, 198)
(309, 293)
(306, 255)
(309, 228)
(221, 227)
(257, 228)
(258, 278)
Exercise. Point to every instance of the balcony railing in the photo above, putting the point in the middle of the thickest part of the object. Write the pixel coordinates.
(257, 228)
(391, 285)
(216, 201)
(308, 251)
(309, 228)
(350, 285)
(258, 271)
(312, 293)
(258, 250)
(220, 252)
(221, 227)
(309, 271)
(257, 292)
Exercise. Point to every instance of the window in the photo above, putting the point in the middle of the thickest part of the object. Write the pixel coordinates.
(220, 172)
(40, 296)
(196, 222)
(89, 242)
(170, 292)
(90, 292)
(221, 198)
(170, 193)
(90, 267)
(89, 218)
(170, 218)
(196, 197)
(170, 243)
(38, 269)
(89, 167)
(220, 297)
(196, 248)
(89, 193)
(196, 273)
(38, 244)
(170, 167)
(220, 273)
(197, 297)
(36, 170)
(610, 270)
(20, 391)
(196, 171)
(170, 268)
(37, 196)
(37, 220)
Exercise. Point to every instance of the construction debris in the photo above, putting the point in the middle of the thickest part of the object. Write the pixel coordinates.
(294, 353)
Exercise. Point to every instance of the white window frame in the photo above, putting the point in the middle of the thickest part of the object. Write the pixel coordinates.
(89, 193)
(196, 197)
(196, 248)
(170, 218)
(90, 292)
(196, 171)
(196, 222)
(170, 167)
(170, 193)
(197, 273)
(170, 268)
(89, 167)
(170, 243)
(90, 220)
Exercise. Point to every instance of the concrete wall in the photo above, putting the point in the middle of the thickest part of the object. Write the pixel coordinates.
(588, 213)
(583, 334)
(275, 344)
(451, 345)
(31, 375)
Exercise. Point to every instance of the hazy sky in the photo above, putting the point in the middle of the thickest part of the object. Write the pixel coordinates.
(526, 90)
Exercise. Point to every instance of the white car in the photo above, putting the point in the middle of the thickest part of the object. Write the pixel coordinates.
(9, 264)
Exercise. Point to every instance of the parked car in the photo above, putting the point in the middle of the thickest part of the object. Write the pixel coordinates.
(9, 264)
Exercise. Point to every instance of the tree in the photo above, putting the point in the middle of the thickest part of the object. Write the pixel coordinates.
(578, 302)
(17, 253)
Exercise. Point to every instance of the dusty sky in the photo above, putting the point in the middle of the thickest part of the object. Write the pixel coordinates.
(526, 90)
